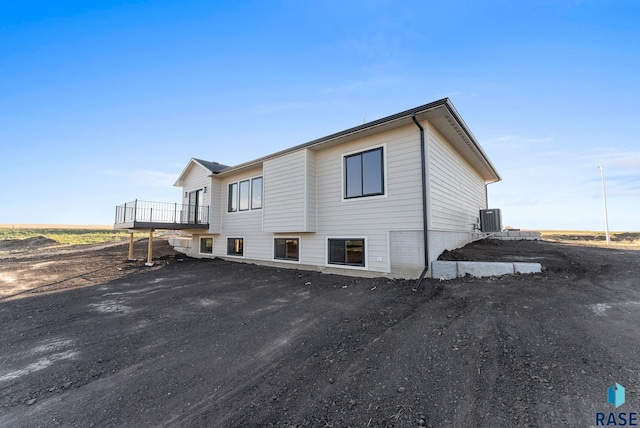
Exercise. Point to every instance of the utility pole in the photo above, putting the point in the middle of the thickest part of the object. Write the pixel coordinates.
(604, 197)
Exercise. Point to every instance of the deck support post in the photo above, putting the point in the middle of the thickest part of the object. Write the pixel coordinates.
(150, 249)
(131, 246)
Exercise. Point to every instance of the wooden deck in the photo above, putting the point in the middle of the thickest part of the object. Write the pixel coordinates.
(147, 215)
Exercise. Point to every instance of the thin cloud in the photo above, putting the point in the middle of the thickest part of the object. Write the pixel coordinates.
(362, 84)
(513, 141)
(628, 162)
(614, 158)
(539, 140)
(146, 178)
(278, 107)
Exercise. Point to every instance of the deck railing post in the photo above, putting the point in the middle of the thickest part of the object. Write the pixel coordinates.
(127, 213)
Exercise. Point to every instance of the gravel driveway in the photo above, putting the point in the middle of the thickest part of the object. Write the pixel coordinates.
(205, 343)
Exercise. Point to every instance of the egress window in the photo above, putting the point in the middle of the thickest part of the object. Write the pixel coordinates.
(346, 252)
(286, 249)
(206, 245)
(364, 174)
(235, 246)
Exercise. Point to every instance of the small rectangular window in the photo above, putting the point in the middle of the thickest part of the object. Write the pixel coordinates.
(286, 249)
(364, 174)
(347, 252)
(244, 195)
(235, 246)
(256, 193)
(206, 245)
(233, 197)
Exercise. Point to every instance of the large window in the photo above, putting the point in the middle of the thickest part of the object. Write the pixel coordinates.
(364, 174)
(235, 246)
(286, 249)
(346, 252)
(245, 195)
(206, 245)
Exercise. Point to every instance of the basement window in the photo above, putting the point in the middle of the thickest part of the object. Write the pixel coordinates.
(348, 252)
(286, 249)
(235, 247)
(206, 245)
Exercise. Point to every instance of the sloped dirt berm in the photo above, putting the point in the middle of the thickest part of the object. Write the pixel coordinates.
(95, 340)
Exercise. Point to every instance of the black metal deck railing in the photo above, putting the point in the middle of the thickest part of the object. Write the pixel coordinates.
(160, 214)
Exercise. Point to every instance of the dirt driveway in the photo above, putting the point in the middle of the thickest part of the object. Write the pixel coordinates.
(211, 343)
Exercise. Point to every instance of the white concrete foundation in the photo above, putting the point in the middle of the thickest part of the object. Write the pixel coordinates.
(452, 269)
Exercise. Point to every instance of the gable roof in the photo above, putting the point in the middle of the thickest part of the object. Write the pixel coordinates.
(441, 114)
(214, 167)
(211, 167)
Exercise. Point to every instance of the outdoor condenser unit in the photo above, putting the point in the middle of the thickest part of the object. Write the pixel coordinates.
(491, 220)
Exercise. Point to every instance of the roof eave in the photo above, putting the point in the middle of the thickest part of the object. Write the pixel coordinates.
(473, 139)
(491, 177)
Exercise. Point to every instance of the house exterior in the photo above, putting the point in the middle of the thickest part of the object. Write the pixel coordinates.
(381, 199)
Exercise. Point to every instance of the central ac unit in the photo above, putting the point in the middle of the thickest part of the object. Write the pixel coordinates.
(491, 220)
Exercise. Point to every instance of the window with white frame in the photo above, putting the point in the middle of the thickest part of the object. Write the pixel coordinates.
(348, 252)
(235, 247)
(245, 195)
(286, 249)
(364, 174)
(206, 245)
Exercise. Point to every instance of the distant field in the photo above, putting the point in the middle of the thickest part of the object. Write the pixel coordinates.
(64, 234)
(587, 237)
(57, 226)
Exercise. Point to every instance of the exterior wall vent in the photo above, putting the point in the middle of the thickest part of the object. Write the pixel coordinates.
(491, 220)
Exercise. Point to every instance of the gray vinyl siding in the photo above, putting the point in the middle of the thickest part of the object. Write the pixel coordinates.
(311, 189)
(303, 197)
(197, 178)
(217, 196)
(371, 217)
(243, 224)
(288, 193)
(457, 192)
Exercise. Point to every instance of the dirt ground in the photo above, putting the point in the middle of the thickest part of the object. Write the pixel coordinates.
(91, 339)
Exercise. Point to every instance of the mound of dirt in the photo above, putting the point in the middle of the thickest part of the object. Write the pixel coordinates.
(26, 244)
(552, 256)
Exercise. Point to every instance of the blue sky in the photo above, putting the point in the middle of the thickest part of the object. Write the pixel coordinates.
(103, 102)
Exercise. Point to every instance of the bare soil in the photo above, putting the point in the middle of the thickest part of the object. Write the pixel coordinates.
(15, 245)
(91, 339)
